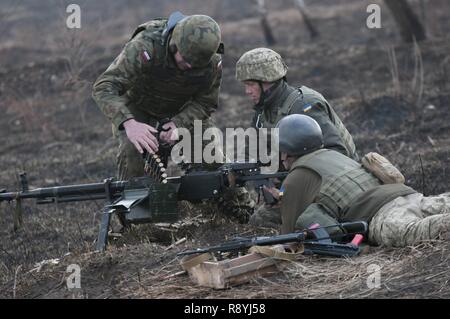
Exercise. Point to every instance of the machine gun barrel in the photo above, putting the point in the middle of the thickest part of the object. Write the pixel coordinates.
(76, 192)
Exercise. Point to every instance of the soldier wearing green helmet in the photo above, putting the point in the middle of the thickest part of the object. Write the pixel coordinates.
(197, 38)
(169, 71)
(263, 72)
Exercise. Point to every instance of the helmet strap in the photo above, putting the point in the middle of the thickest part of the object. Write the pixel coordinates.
(265, 94)
(262, 96)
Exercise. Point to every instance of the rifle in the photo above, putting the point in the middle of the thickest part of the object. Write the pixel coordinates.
(315, 240)
(144, 199)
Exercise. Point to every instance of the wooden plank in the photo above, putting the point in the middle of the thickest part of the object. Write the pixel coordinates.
(227, 273)
(250, 266)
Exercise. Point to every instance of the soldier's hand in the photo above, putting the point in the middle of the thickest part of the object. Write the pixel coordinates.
(274, 191)
(169, 135)
(142, 136)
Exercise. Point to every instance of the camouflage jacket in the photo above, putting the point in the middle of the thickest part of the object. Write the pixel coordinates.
(145, 75)
(284, 99)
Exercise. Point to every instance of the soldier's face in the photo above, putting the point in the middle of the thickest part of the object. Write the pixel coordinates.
(253, 90)
(181, 63)
(287, 160)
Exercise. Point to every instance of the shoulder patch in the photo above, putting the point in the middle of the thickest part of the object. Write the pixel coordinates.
(146, 57)
(281, 192)
(307, 107)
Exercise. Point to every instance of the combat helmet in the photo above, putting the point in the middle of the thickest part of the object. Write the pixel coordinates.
(299, 135)
(197, 38)
(260, 64)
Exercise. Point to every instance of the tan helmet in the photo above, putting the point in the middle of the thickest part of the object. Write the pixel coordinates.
(260, 64)
(197, 38)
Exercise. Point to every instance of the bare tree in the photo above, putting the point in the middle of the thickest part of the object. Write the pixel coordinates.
(300, 4)
(407, 21)
(267, 30)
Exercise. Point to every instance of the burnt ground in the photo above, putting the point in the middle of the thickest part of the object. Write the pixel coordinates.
(50, 128)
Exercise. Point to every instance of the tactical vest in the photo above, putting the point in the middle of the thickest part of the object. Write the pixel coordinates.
(310, 98)
(343, 179)
(162, 90)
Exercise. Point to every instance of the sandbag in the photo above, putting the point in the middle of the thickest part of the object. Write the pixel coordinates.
(382, 168)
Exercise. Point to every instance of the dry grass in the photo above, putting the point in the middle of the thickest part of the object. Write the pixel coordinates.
(393, 67)
(30, 112)
(411, 90)
(417, 83)
(148, 270)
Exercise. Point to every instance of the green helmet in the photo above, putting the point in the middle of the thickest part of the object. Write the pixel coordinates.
(299, 134)
(260, 64)
(197, 38)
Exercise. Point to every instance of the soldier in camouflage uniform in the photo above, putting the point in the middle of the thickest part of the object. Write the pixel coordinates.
(263, 73)
(326, 186)
(170, 69)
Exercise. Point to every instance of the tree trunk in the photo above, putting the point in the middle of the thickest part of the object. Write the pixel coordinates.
(313, 33)
(267, 30)
(410, 27)
(268, 35)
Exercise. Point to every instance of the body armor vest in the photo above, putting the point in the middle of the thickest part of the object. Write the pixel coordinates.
(343, 179)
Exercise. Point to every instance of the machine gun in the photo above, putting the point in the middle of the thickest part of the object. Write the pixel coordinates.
(315, 240)
(146, 199)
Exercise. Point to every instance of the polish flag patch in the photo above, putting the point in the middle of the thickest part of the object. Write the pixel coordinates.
(146, 56)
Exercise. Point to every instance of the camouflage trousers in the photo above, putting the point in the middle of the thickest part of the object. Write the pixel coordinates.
(267, 216)
(235, 202)
(410, 219)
